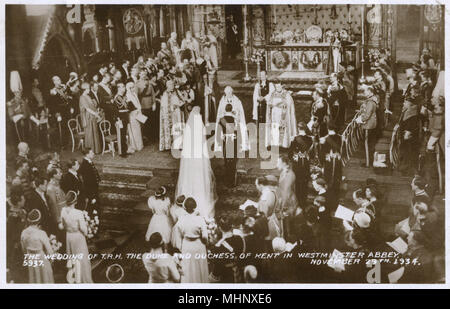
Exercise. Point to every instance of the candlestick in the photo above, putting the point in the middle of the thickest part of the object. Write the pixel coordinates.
(362, 42)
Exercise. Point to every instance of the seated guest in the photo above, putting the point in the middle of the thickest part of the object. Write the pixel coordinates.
(161, 266)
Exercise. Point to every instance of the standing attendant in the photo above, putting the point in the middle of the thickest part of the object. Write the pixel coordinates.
(287, 204)
(38, 200)
(90, 177)
(299, 154)
(229, 130)
(147, 98)
(73, 222)
(56, 199)
(368, 121)
(280, 118)
(237, 108)
(90, 118)
(71, 181)
(333, 164)
(36, 242)
(260, 95)
(105, 96)
(123, 116)
(134, 129)
(190, 237)
(160, 265)
(160, 222)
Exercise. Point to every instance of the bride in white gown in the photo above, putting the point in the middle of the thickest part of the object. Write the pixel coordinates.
(196, 178)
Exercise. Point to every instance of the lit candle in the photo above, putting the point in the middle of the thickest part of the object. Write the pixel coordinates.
(349, 21)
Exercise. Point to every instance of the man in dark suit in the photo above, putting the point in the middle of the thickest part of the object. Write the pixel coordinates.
(37, 199)
(125, 70)
(299, 154)
(331, 147)
(90, 178)
(71, 181)
(229, 131)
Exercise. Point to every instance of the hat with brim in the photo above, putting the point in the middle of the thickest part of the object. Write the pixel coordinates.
(362, 219)
(161, 191)
(71, 198)
(34, 216)
(180, 200)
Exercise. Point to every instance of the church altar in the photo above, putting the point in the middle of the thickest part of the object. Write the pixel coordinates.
(307, 57)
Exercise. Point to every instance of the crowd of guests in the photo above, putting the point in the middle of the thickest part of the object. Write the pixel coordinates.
(261, 244)
(148, 100)
(144, 101)
(46, 200)
(296, 211)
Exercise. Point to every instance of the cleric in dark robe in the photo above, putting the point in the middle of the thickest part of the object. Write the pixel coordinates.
(260, 97)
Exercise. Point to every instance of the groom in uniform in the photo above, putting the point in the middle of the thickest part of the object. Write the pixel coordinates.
(228, 128)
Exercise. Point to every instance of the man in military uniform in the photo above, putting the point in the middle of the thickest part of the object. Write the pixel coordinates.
(299, 154)
(123, 116)
(18, 108)
(60, 108)
(368, 121)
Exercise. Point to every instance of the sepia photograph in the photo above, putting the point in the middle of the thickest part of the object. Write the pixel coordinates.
(211, 143)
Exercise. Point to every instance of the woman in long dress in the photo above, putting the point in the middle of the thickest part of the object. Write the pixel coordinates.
(90, 118)
(190, 237)
(160, 222)
(177, 210)
(75, 225)
(35, 241)
(196, 178)
(134, 129)
(287, 206)
(161, 266)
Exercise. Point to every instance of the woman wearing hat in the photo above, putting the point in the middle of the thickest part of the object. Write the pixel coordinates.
(89, 118)
(75, 225)
(35, 241)
(176, 210)
(161, 266)
(160, 222)
(190, 236)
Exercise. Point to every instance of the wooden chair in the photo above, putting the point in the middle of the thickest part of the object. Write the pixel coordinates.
(108, 138)
(75, 133)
